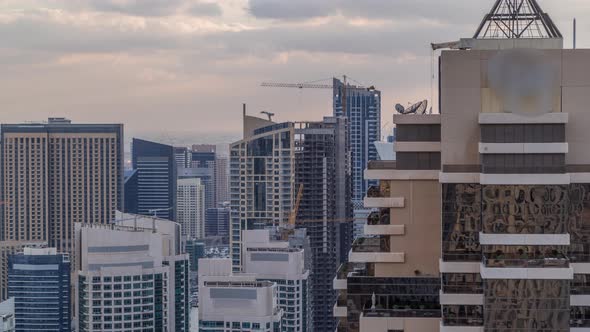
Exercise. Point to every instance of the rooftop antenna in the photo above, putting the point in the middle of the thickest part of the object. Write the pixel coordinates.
(511, 19)
(575, 31)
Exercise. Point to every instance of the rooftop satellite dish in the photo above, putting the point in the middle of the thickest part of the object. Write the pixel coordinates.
(417, 108)
(400, 108)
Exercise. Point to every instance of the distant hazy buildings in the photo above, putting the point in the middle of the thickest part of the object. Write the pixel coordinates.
(190, 207)
(131, 276)
(362, 108)
(39, 282)
(156, 179)
(217, 221)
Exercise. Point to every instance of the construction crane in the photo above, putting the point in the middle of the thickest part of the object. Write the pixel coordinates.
(314, 85)
(269, 114)
(295, 209)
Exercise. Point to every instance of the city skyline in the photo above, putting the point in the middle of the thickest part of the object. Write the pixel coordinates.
(117, 61)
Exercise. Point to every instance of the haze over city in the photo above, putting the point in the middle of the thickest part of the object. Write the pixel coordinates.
(182, 68)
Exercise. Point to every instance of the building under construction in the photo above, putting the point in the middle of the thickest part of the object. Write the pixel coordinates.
(485, 219)
(296, 175)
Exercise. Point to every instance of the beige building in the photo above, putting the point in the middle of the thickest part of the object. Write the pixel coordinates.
(499, 182)
(392, 281)
(55, 174)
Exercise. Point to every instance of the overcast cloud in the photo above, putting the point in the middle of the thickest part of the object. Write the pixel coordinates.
(183, 67)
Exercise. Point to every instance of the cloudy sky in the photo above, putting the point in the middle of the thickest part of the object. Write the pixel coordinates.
(184, 67)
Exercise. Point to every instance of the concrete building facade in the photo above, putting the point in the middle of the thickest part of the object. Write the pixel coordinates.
(131, 276)
(505, 166)
(231, 301)
(278, 262)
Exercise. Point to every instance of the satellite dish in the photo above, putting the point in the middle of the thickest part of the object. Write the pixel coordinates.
(417, 108)
(400, 109)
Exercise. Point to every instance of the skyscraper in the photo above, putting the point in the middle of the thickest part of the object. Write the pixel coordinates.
(155, 164)
(511, 160)
(268, 167)
(55, 174)
(203, 159)
(322, 171)
(39, 282)
(132, 275)
(362, 108)
(221, 179)
(392, 277)
(262, 176)
(217, 221)
(190, 208)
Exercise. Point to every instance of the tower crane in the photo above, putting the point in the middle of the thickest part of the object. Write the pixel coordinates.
(314, 85)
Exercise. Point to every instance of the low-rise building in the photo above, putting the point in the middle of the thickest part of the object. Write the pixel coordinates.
(231, 302)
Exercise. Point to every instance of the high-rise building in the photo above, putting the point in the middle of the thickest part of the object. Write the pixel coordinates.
(362, 108)
(130, 185)
(131, 276)
(391, 281)
(195, 250)
(182, 156)
(39, 282)
(8, 248)
(217, 221)
(236, 302)
(155, 164)
(323, 173)
(221, 179)
(277, 262)
(203, 159)
(509, 153)
(190, 208)
(55, 174)
(261, 183)
(268, 168)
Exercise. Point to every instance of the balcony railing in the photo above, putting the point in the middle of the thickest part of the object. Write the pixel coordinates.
(465, 288)
(582, 322)
(371, 244)
(382, 190)
(427, 311)
(462, 257)
(463, 321)
(525, 260)
(382, 164)
(381, 217)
